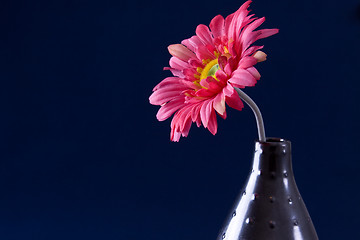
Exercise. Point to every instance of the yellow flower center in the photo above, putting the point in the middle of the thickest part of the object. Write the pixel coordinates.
(210, 69)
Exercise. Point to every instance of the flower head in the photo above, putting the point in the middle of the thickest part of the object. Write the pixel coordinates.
(206, 68)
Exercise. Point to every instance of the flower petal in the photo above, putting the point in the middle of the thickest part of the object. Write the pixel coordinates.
(181, 52)
(228, 90)
(167, 81)
(175, 136)
(169, 108)
(217, 26)
(234, 101)
(264, 33)
(243, 78)
(181, 123)
(192, 43)
(161, 97)
(195, 114)
(221, 76)
(185, 117)
(219, 103)
(248, 37)
(204, 93)
(205, 113)
(187, 126)
(228, 21)
(238, 21)
(202, 52)
(175, 72)
(175, 131)
(251, 50)
(212, 125)
(176, 63)
(215, 86)
(254, 72)
(204, 34)
(248, 61)
(260, 56)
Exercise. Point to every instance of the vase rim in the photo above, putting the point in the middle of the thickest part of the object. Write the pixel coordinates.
(274, 140)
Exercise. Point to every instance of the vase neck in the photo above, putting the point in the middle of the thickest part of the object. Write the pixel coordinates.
(273, 157)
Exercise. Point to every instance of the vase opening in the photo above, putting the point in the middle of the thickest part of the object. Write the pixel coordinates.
(272, 139)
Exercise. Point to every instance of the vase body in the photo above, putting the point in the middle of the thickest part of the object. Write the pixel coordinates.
(270, 206)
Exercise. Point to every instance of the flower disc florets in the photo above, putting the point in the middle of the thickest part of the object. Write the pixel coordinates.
(206, 67)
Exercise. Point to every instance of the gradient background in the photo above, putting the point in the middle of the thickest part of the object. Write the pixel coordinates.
(83, 156)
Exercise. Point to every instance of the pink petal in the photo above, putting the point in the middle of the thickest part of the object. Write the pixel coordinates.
(212, 125)
(187, 126)
(188, 83)
(228, 69)
(222, 61)
(254, 72)
(228, 21)
(252, 26)
(217, 26)
(198, 122)
(193, 43)
(223, 116)
(181, 52)
(204, 93)
(221, 75)
(247, 37)
(238, 21)
(195, 114)
(175, 135)
(175, 72)
(178, 86)
(215, 86)
(219, 103)
(159, 98)
(185, 117)
(181, 123)
(204, 34)
(251, 50)
(211, 84)
(186, 121)
(243, 78)
(234, 101)
(254, 36)
(204, 82)
(169, 108)
(178, 64)
(195, 63)
(190, 73)
(228, 90)
(202, 52)
(205, 113)
(246, 62)
(267, 33)
(167, 81)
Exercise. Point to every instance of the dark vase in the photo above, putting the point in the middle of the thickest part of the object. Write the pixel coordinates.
(270, 206)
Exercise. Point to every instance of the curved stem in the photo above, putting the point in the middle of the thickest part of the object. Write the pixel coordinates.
(255, 109)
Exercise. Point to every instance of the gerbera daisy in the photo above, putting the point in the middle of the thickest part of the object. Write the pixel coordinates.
(206, 68)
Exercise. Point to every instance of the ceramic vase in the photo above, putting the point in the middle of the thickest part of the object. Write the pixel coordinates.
(270, 206)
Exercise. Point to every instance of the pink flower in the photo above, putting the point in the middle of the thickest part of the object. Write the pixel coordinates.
(206, 67)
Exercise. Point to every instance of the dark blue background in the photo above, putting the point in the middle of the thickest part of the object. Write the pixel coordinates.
(83, 156)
